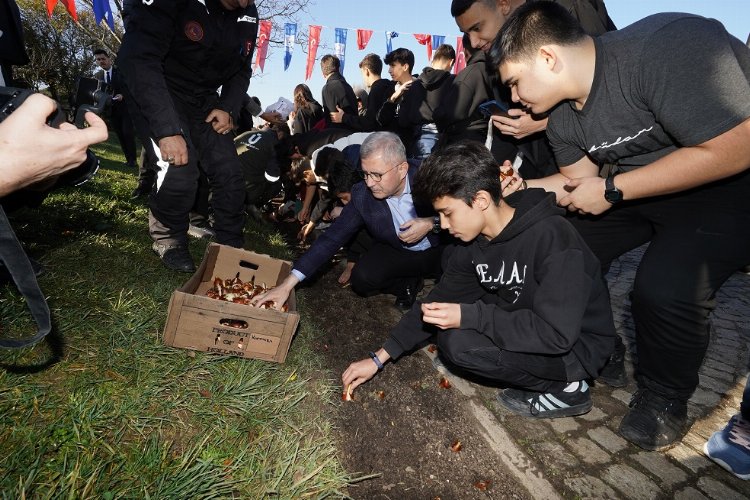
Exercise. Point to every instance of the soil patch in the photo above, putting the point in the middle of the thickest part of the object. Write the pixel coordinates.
(404, 434)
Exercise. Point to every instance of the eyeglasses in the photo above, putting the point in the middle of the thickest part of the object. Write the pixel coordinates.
(376, 176)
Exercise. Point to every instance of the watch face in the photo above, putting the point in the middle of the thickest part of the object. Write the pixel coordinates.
(613, 196)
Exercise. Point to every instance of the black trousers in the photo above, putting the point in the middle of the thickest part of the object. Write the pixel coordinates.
(123, 127)
(698, 238)
(175, 195)
(477, 354)
(384, 269)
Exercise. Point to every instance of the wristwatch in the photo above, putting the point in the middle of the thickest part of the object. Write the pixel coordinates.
(611, 193)
(436, 224)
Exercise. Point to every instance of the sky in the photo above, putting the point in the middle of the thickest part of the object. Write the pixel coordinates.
(432, 17)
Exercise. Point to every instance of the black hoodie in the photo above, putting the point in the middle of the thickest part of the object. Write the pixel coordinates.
(536, 288)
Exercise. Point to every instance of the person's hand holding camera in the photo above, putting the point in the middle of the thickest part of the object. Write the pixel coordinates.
(31, 150)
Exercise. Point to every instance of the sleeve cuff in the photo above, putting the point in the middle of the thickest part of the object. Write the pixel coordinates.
(298, 275)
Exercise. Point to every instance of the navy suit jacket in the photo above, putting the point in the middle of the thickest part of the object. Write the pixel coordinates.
(364, 210)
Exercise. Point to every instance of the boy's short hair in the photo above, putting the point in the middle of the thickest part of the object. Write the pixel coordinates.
(329, 64)
(341, 178)
(529, 27)
(373, 63)
(445, 52)
(326, 157)
(458, 7)
(401, 56)
(460, 171)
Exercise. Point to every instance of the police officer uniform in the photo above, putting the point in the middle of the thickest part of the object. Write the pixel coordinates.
(174, 57)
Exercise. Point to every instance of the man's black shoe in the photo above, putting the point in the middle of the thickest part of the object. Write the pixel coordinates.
(175, 257)
(575, 399)
(408, 295)
(613, 374)
(140, 192)
(654, 421)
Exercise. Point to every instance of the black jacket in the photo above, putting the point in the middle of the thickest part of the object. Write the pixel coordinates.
(306, 117)
(380, 91)
(185, 50)
(337, 92)
(459, 117)
(536, 288)
(436, 84)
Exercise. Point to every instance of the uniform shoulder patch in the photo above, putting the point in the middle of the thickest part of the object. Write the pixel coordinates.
(194, 31)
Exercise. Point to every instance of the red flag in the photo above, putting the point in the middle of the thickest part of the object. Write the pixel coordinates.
(265, 34)
(70, 5)
(425, 40)
(460, 56)
(51, 6)
(363, 38)
(313, 40)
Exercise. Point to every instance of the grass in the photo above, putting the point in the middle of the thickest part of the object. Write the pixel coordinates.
(101, 409)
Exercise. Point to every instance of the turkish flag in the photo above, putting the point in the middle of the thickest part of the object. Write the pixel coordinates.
(70, 5)
(51, 6)
(263, 37)
(313, 39)
(460, 56)
(425, 40)
(363, 38)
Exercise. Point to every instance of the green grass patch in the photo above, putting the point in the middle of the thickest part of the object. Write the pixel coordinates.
(102, 409)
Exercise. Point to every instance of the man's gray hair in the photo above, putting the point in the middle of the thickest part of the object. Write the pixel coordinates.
(386, 145)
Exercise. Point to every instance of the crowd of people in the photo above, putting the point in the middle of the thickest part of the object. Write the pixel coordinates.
(563, 144)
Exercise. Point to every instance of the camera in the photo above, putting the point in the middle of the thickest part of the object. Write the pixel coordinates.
(12, 98)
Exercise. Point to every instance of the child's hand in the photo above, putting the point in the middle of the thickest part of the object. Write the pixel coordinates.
(441, 314)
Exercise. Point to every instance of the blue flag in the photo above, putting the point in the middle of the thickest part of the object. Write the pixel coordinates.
(339, 47)
(102, 9)
(388, 36)
(437, 41)
(290, 34)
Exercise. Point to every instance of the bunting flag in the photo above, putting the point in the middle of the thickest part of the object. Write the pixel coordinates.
(389, 35)
(425, 40)
(363, 38)
(262, 47)
(70, 5)
(313, 39)
(290, 34)
(102, 9)
(460, 55)
(437, 41)
(339, 47)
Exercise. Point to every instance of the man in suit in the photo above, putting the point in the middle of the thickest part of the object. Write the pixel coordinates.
(405, 245)
(337, 93)
(119, 117)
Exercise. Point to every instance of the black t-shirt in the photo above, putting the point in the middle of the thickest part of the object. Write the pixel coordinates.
(668, 81)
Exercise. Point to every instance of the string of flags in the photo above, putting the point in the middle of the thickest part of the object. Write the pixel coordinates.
(363, 38)
(103, 11)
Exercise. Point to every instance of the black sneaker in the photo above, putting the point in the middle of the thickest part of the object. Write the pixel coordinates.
(613, 374)
(408, 295)
(574, 400)
(175, 257)
(654, 421)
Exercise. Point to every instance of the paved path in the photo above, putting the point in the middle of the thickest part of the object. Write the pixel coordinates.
(584, 457)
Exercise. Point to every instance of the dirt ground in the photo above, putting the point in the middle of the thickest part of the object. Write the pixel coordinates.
(404, 434)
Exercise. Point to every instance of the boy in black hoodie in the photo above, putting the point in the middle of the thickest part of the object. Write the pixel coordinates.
(521, 303)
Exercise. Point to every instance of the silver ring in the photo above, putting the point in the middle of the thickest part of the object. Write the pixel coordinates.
(170, 159)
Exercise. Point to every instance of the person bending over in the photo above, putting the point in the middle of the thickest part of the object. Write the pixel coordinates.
(646, 99)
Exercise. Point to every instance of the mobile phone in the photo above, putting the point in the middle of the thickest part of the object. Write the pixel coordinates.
(493, 108)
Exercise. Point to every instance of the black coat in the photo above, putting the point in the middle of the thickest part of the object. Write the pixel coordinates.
(380, 91)
(184, 50)
(306, 117)
(337, 92)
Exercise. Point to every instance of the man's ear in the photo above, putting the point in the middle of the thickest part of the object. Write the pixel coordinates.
(549, 56)
(504, 7)
(482, 200)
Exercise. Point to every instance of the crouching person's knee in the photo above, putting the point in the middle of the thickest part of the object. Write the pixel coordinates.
(469, 350)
